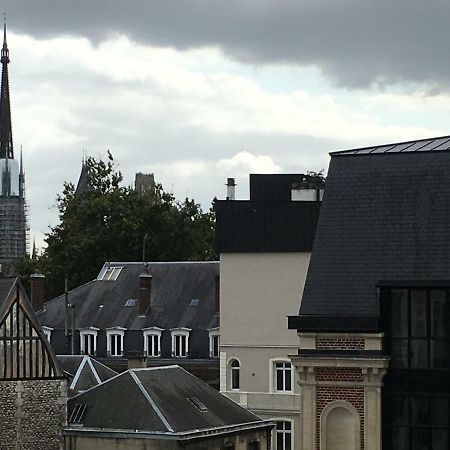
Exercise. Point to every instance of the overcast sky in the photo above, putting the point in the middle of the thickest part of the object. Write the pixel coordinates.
(196, 91)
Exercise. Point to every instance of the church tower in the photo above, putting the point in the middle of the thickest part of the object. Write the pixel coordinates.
(13, 224)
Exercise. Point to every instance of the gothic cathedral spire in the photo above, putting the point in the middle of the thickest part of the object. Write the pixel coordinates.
(6, 141)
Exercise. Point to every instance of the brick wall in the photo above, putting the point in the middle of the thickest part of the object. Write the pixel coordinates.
(33, 413)
(328, 394)
(339, 343)
(346, 374)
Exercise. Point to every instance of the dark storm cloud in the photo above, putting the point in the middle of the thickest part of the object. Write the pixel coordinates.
(354, 42)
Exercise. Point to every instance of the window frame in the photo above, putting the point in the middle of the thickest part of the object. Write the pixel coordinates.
(47, 332)
(116, 331)
(231, 370)
(154, 332)
(214, 333)
(275, 433)
(273, 378)
(109, 273)
(180, 333)
(92, 331)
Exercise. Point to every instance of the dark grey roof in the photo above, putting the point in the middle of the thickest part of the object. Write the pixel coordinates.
(418, 145)
(6, 285)
(384, 217)
(158, 400)
(101, 304)
(85, 372)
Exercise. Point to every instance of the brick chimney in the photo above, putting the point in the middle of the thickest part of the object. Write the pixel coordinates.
(145, 293)
(37, 281)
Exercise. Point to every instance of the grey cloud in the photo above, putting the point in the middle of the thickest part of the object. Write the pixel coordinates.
(354, 42)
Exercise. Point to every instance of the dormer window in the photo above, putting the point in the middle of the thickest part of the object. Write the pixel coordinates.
(109, 273)
(88, 341)
(114, 341)
(180, 342)
(152, 341)
(47, 332)
(214, 342)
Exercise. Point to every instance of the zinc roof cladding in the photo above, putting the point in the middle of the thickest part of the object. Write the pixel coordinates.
(174, 285)
(382, 218)
(158, 400)
(441, 143)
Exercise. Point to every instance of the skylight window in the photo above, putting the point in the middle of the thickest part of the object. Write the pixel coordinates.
(198, 404)
(131, 302)
(78, 413)
(194, 302)
(109, 273)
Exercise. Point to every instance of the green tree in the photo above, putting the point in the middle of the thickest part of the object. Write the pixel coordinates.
(110, 222)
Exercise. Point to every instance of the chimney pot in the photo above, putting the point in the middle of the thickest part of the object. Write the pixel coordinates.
(145, 293)
(37, 281)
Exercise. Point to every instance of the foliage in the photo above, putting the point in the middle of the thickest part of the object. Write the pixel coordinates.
(110, 222)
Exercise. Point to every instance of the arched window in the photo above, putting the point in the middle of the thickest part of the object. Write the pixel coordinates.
(235, 368)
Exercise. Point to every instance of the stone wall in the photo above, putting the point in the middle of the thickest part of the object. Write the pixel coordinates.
(33, 413)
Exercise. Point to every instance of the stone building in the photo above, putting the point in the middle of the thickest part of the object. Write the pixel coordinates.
(374, 320)
(33, 392)
(13, 223)
(265, 245)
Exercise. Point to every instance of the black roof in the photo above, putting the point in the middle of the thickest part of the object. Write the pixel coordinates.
(84, 372)
(102, 304)
(385, 217)
(269, 221)
(162, 399)
(6, 286)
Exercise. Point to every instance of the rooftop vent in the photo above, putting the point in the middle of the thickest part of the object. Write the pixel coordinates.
(131, 302)
(198, 404)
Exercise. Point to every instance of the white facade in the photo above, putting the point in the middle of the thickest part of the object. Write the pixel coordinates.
(257, 293)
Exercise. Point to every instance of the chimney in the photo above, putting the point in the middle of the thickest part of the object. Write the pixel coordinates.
(136, 360)
(145, 293)
(231, 188)
(37, 281)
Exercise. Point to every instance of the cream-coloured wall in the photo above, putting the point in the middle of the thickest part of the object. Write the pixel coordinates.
(258, 291)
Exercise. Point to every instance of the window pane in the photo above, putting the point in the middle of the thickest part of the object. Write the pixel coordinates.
(150, 349)
(399, 410)
(439, 411)
(439, 354)
(439, 439)
(419, 354)
(418, 313)
(280, 445)
(399, 312)
(440, 317)
(287, 378)
(400, 438)
(419, 410)
(235, 378)
(399, 353)
(280, 386)
(420, 439)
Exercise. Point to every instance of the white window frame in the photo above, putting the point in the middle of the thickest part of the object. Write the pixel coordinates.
(274, 372)
(178, 332)
(156, 332)
(230, 373)
(109, 273)
(88, 331)
(214, 333)
(117, 331)
(275, 433)
(47, 332)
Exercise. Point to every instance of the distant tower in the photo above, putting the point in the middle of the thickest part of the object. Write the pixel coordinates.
(13, 224)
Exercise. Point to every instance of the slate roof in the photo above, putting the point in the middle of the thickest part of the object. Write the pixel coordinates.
(84, 372)
(101, 304)
(385, 218)
(157, 400)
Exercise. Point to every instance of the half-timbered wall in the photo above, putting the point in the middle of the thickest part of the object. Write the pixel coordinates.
(33, 393)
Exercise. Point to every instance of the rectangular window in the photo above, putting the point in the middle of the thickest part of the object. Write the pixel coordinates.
(283, 376)
(88, 344)
(115, 344)
(153, 345)
(284, 436)
(180, 348)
